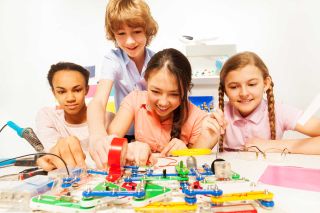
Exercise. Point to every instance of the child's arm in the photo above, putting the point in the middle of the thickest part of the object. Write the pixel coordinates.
(121, 122)
(125, 115)
(212, 127)
(174, 144)
(98, 147)
(310, 146)
(138, 153)
(69, 149)
(310, 128)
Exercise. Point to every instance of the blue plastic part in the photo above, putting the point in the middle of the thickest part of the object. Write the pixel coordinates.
(17, 128)
(194, 192)
(190, 200)
(134, 172)
(128, 179)
(66, 185)
(199, 178)
(149, 172)
(136, 178)
(136, 194)
(160, 175)
(196, 173)
(266, 203)
(7, 162)
(92, 171)
(67, 182)
(184, 184)
(207, 169)
(131, 167)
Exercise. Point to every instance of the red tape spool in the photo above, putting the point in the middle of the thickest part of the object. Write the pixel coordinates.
(117, 158)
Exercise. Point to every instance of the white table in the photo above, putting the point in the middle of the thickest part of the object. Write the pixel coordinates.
(248, 166)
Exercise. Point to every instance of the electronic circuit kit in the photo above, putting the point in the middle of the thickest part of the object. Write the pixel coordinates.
(185, 186)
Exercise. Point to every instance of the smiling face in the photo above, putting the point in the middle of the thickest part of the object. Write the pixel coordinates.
(163, 93)
(69, 88)
(132, 40)
(245, 87)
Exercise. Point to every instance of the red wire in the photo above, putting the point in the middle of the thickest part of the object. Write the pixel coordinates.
(173, 162)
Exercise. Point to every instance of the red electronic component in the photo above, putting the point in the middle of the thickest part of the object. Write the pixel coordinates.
(196, 185)
(116, 158)
(129, 186)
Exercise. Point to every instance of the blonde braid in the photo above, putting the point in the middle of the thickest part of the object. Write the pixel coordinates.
(221, 106)
(272, 122)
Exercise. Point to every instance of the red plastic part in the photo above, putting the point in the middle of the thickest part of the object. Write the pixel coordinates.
(116, 158)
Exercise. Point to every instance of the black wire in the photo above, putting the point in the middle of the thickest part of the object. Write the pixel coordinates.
(41, 153)
(3, 127)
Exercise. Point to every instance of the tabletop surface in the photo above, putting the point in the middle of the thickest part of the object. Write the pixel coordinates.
(250, 166)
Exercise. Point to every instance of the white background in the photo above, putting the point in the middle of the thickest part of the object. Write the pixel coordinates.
(37, 33)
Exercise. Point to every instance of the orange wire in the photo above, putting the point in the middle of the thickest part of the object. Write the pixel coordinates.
(173, 162)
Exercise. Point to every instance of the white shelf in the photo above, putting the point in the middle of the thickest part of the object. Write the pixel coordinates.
(213, 80)
(204, 62)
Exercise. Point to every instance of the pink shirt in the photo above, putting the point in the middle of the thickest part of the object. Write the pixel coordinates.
(148, 127)
(256, 125)
(51, 126)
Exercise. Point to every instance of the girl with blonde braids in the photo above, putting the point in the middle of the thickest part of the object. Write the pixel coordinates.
(253, 120)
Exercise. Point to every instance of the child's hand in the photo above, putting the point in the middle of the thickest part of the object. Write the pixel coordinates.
(99, 148)
(138, 153)
(215, 122)
(174, 144)
(69, 149)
